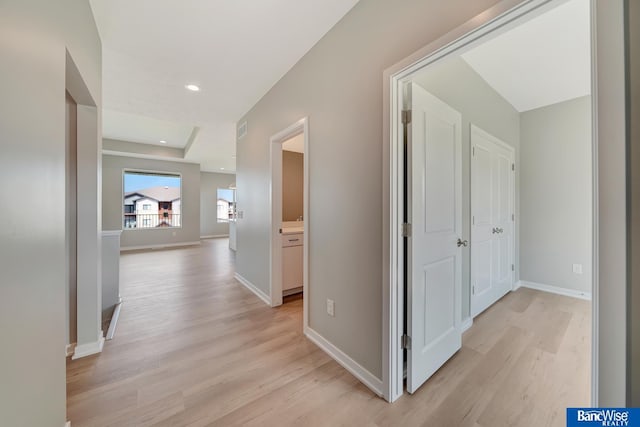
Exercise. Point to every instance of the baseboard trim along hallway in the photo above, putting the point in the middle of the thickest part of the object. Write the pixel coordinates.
(253, 288)
(553, 289)
(357, 370)
(88, 349)
(162, 246)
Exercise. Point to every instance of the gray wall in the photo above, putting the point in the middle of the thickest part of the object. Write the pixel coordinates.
(611, 204)
(633, 92)
(458, 85)
(209, 184)
(33, 38)
(338, 85)
(293, 186)
(112, 167)
(555, 194)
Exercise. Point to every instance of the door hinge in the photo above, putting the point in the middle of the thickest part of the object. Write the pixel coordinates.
(513, 217)
(473, 290)
(406, 230)
(473, 151)
(513, 267)
(513, 166)
(406, 117)
(406, 342)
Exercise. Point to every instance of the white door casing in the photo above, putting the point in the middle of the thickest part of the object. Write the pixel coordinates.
(493, 219)
(434, 274)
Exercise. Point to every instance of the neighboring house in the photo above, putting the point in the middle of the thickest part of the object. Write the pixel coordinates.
(226, 209)
(152, 207)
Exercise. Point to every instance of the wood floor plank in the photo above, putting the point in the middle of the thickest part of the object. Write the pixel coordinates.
(196, 348)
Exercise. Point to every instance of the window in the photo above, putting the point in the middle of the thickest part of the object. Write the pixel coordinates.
(226, 204)
(151, 200)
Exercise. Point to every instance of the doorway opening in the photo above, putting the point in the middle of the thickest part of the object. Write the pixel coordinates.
(493, 189)
(289, 185)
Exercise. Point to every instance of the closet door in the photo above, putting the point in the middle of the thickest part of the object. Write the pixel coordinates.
(492, 219)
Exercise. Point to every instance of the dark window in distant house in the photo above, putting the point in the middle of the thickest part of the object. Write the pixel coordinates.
(151, 200)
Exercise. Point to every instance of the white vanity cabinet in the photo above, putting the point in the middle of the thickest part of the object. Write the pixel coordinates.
(292, 263)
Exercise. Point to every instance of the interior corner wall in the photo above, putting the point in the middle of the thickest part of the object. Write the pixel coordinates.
(112, 203)
(458, 85)
(338, 86)
(633, 163)
(34, 38)
(209, 184)
(293, 186)
(556, 195)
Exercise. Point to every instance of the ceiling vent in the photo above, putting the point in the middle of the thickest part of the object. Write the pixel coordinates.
(242, 130)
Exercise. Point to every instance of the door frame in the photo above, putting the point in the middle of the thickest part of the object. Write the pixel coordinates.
(275, 201)
(490, 21)
(512, 189)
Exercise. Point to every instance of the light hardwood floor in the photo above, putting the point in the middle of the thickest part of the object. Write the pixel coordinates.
(195, 348)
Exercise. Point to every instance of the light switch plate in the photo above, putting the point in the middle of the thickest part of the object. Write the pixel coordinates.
(331, 307)
(577, 268)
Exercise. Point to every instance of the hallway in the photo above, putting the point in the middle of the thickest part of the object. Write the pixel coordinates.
(194, 347)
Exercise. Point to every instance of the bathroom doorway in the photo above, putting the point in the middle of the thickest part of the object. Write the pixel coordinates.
(289, 188)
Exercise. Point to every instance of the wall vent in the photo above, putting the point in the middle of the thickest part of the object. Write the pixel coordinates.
(242, 130)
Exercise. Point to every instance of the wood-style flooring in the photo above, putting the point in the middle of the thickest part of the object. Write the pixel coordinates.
(195, 348)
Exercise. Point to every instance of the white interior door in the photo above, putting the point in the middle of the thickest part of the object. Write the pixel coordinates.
(492, 228)
(434, 301)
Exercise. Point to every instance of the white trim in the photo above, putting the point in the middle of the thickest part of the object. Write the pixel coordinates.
(160, 246)
(111, 233)
(88, 349)
(553, 289)
(214, 236)
(69, 349)
(67, 424)
(358, 371)
(154, 157)
(275, 200)
(253, 288)
(495, 19)
(467, 324)
(114, 321)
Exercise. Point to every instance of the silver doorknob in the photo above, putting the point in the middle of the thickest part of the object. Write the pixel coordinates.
(464, 243)
(494, 230)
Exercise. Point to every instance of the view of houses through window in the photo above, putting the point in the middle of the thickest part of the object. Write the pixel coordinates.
(226, 204)
(151, 200)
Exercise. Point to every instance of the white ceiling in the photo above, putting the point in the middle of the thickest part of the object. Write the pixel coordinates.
(235, 50)
(541, 62)
(295, 144)
(145, 130)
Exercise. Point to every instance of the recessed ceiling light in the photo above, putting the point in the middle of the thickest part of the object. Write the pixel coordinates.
(192, 87)
(163, 142)
(221, 169)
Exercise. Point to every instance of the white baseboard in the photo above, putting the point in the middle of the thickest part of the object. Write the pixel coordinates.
(67, 424)
(253, 288)
(84, 350)
(553, 289)
(214, 236)
(70, 349)
(114, 321)
(466, 324)
(161, 246)
(366, 377)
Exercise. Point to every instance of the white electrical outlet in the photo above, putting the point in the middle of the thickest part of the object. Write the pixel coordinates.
(331, 307)
(577, 268)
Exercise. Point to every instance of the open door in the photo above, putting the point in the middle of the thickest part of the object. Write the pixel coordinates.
(434, 270)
